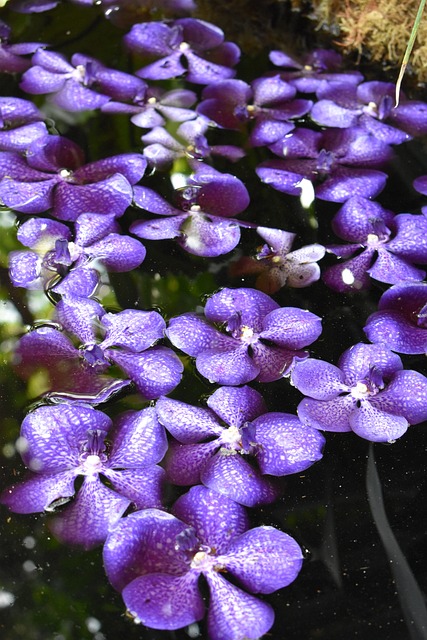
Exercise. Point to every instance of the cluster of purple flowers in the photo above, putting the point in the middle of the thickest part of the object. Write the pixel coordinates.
(230, 451)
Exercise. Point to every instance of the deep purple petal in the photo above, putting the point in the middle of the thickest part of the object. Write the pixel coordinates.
(193, 335)
(186, 423)
(285, 445)
(80, 316)
(274, 362)
(327, 415)
(37, 491)
(131, 329)
(318, 379)
(237, 406)
(251, 305)
(118, 253)
(226, 620)
(216, 519)
(264, 559)
(110, 196)
(137, 440)
(229, 368)
(142, 486)
(162, 601)
(156, 372)
(235, 478)
(376, 425)
(391, 328)
(132, 550)
(185, 462)
(290, 327)
(27, 197)
(405, 395)
(90, 517)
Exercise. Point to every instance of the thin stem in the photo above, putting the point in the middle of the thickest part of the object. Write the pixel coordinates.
(408, 51)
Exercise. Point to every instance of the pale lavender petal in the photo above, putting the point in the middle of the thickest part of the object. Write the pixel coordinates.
(208, 236)
(143, 542)
(162, 601)
(160, 228)
(376, 425)
(235, 478)
(215, 518)
(264, 559)
(234, 614)
(36, 492)
(237, 406)
(137, 440)
(156, 372)
(24, 268)
(318, 379)
(327, 415)
(90, 517)
(142, 486)
(132, 329)
(285, 445)
(194, 335)
(186, 423)
(43, 231)
(81, 281)
(53, 435)
(281, 241)
(185, 462)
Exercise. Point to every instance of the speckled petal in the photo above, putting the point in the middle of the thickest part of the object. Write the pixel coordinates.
(285, 445)
(234, 614)
(232, 476)
(80, 316)
(264, 559)
(327, 415)
(159, 228)
(208, 236)
(405, 395)
(185, 462)
(274, 362)
(351, 181)
(215, 518)
(81, 281)
(37, 491)
(188, 424)
(394, 330)
(28, 197)
(156, 372)
(291, 328)
(53, 435)
(92, 514)
(112, 195)
(237, 406)
(137, 440)
(25, 269)
(394, 269)
(118, 253)
(162, 601)
(230, 368)
(193, 335)
(142, 486)
(143, 542)
(92, 227)
(131, 329)
(252, 305)
(357, 362)
(376, 425)
(318, 379)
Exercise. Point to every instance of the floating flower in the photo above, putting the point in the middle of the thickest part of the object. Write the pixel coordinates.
(63, 443)
(216, 445)
(126, 340)
(202, 225)
(53, 176)
(368, 393)
(401, 319)
(200, 44)
(261, 340)
(156, 560)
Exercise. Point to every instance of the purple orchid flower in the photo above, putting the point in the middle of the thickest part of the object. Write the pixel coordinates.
(370, 105)
(261, 340)
(127, 341)
(269, 102)
(383, 246)
(202, 225)
(368, 393)
(55, 253)
(338, 162)
(20, 124)
(400, 321)
(235, 422)
(185, 46)
(162, 149)
(315, 70)
(156, 560)
(277, 265)
(154, 107)
(11, 55)
(65, 442)
(70, 84)
(53, 176)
